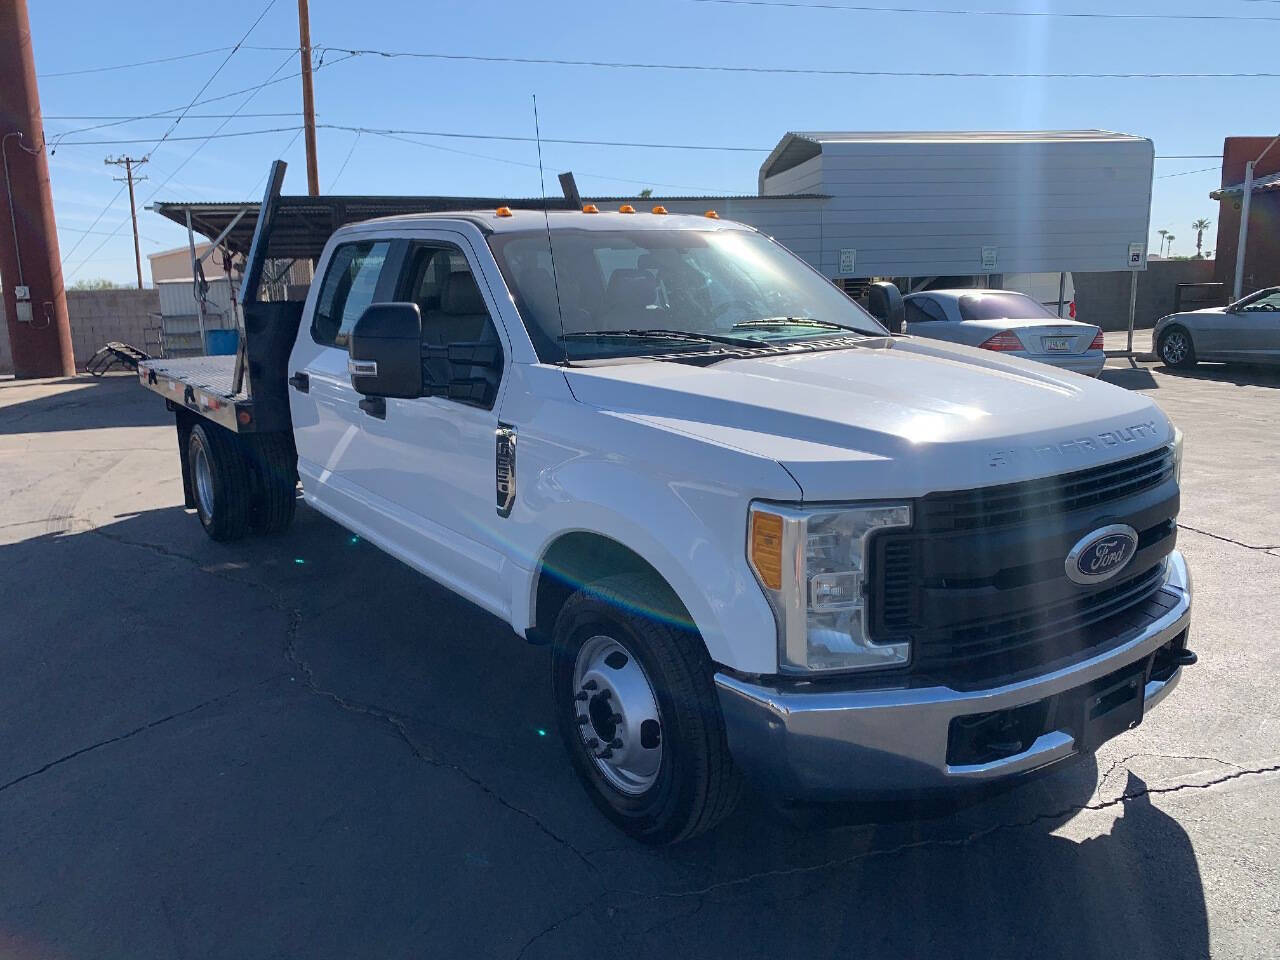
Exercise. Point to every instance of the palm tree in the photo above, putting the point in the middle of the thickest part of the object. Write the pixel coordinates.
(1171, 238)
(1200, 226)
(1163, 234)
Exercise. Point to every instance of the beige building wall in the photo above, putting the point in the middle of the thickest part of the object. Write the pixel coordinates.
(175, 264)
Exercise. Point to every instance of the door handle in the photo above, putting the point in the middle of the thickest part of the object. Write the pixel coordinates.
(374, 406)
(300, 382)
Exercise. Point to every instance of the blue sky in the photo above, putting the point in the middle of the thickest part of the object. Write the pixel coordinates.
(1182, 116)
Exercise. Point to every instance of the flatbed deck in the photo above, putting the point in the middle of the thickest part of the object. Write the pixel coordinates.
(206, 387)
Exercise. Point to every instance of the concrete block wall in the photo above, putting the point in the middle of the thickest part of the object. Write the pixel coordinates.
(98, 316)
(1103, 298)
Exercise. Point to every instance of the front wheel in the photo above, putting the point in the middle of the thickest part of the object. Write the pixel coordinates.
(638, 713)
(1176, 349)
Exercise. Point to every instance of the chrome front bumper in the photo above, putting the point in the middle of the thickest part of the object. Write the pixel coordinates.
(823, 744)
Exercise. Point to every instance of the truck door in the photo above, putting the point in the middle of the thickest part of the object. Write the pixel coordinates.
(327, 421)
(427, 469)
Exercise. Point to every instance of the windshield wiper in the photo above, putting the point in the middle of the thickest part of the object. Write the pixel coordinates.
(661, 334)
(800, 322)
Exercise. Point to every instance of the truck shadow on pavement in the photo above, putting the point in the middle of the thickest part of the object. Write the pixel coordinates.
(298, 746)
(82, 403)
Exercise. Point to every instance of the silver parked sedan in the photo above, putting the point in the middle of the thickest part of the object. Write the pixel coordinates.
(1247, 331)
(1006, 321)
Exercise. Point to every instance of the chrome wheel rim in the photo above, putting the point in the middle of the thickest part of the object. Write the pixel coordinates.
(204, 482)
(1175, 348)
(617, 715)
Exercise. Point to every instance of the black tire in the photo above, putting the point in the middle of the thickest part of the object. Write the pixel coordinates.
(1176, 348)
(275, 495)
(223, 492)
(697, 784)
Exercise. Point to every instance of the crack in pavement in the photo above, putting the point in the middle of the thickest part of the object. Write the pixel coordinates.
(1124, 761)
(557, 924)
(401, 727)
(397, 722)
(151, 725)
(1238, 543)
(939, 842)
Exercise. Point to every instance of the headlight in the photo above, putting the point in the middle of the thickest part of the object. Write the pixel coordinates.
(812, 565)
(1176, 447)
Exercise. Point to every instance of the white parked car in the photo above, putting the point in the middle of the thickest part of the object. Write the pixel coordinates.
(762, 536)
(1247, 331)
(1007, 322)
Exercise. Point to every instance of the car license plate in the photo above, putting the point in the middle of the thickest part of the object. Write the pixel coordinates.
(1056, 344)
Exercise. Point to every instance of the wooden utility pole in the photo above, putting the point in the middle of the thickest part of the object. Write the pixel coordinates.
(129, 163)
(308, 99)
(35, 304)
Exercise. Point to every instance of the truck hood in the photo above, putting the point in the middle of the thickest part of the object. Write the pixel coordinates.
(886, 418)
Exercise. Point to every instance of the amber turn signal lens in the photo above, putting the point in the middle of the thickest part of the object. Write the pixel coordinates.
(766, 548)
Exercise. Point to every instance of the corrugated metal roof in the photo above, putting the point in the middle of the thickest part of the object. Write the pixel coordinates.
(1260, 185)
(960, 136)
(797, 146)
(303, 225)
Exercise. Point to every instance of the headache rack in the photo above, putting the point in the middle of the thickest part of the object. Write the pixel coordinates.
(248, 391)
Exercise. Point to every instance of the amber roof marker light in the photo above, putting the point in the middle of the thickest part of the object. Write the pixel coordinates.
(711, 215)
(590, 208)
(502, 212)
(660, 209)
(626, 208)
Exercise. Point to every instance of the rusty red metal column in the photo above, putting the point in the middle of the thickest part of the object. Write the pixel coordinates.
(39, 330)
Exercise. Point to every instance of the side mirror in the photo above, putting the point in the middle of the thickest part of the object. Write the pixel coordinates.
(884, 302)
(384, 351)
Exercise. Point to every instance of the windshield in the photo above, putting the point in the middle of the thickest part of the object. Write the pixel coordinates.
(1002, 305)
(633, 292)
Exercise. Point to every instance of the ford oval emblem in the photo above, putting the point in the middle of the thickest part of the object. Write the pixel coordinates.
(1102, 554)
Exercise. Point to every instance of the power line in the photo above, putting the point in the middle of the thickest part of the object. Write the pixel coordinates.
(196, 136)
(1184, 173)
(138, 63)
(801, 71)
(147, 63)
(199, 103)
(225, 61)
(347, 159)
(194, 100)
(165, 116)
(532, 166)
(515, 139)
(861, 8)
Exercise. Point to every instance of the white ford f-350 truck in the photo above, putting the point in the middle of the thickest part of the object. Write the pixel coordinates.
(764, 538)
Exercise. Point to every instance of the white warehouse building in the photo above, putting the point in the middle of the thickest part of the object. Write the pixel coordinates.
(921, 206)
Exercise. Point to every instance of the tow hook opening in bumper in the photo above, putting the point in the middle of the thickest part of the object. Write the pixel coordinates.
(818, 743)
(1085, 717)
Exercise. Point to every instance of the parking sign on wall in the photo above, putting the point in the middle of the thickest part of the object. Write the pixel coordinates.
(1136, 258)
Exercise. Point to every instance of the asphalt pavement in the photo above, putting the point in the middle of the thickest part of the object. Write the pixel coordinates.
(297, 747)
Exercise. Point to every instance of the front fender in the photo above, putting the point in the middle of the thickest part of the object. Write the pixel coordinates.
(692, 531)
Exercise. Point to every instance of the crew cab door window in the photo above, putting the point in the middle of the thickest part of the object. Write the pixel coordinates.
(438, 279)
(350, 283)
